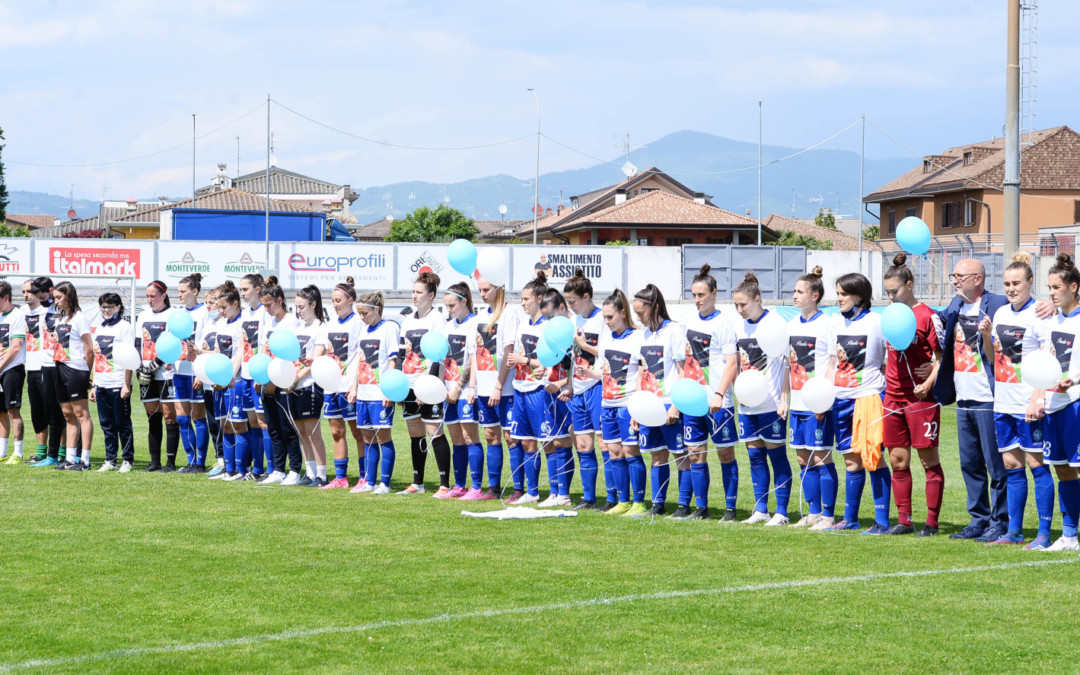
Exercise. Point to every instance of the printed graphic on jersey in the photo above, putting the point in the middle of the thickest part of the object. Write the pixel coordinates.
(414, 356)
(1061, 346)
(251, 335)
(750, 355)
(455, 358)
(801, 357)
(224, 343)
(615, 372)
(188, 342)
(5, 338)
(62, 350)
(49, 338)
(966, 345)
(339, 349)
(1008, 349)
(583, 358)
(697, 356)
(211, 341)
(652, 375)
(152, 330)
(103, 362)
(487, 347)
(304, 340)
(33, 332)
(523, 372)
(850, 360)
(368, 364)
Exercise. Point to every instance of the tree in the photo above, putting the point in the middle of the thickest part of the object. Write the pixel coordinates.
(440, 225)
(871, 232)
(789, 238)
(3, 185)
(825, 218)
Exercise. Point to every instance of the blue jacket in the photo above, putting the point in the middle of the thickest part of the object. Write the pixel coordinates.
(945, 387)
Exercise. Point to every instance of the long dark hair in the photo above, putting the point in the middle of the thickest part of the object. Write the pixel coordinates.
(703, 277)
(313, 295)
(579, 284)
(620, 304)
(856, 284)
(651, 296)
(1065, 268)
(160, 285)
(71, 298)
(461, 290)
(271, 290)
(229, 293)
(194, 282)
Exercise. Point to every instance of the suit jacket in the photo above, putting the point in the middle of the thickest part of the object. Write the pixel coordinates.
(945, 387)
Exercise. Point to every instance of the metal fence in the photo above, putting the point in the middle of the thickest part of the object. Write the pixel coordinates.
(776, 267)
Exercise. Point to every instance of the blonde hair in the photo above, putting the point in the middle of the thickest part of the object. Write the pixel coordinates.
(1021, 260)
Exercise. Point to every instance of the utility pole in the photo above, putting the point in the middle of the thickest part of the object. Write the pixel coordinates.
(536, 185)
(1011, 184)
(193, 156)
(759, 173)
(862, 162)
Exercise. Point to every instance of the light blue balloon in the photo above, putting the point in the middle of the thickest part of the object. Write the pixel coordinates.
(434, 346)
(284, 344)
(547, 356)
(690, 397)
(258, 368)
(168, 348)
(913, 235)
(559, 333)
(898, 325)
(219, 368)
(394, 385)
(181, 324)
(462, 256)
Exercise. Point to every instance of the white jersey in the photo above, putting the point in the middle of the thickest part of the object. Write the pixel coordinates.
(378, 345)
(198, 318)
(751, 357)
(13, 326)
(341, 340)
(860, 353)
(529, 335)
(308, 337)
(591, 327)
(104, 337)
(413, 328)
(969, 376)
(48, 340)
(1064, 334)
(491, 342)
(461, 335)
(661, 352)
(229, 336)
(148, 328)
(251, 321)
(618, 361)
(269, 325)
(813, 344)
(1015, 333)
(69, 345)
(206, 334)
(35, 321)
(709, 341)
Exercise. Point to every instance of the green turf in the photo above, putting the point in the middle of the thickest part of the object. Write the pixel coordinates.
(100, 562)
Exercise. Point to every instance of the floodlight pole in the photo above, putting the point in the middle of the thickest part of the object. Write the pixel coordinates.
(536, 184)
(267, 181)
(862, 162)
(193, 157)
(759, 173)
(1011, 184)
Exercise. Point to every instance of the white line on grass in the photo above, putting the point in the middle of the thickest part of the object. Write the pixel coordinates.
(490, 613)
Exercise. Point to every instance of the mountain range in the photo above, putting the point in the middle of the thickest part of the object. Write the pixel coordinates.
(721, 167)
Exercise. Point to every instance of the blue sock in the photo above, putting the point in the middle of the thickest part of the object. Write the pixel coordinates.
(389, 454)
(830, 486)
(476, 465)
(1044, 497)
(686, 487)
(187, 437)
(729, 476)
(853, 487)
(609, 478)
(371, 463)
(590, 469)
(759, 478)
(532, 473)
(341, 468)
(552, 460)
(243, 452)
(699, 477)
(461, 465)
(566, 470)
(517, 466)
(811, 485)
(636, 468)
(202, 440)
(254, 454)
(881, 487)
(621, 470)
(782, 472)
(1016, 487)
(230, 453)
(494, 465)
(1069, 494)
(267, 450)
(661, 476)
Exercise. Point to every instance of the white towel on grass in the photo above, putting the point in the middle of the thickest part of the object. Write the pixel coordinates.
(519, 512)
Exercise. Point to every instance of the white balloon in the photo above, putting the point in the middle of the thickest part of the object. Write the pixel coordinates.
(282, 373)
(429, 389)
(1040, 369)
(818, 394)
(773, 339)
(126, 356)
(199, 366)
(493, 264)
(751, 389)
(327, 374)
(646, 409)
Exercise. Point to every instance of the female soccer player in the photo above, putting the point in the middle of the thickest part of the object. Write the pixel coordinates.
(763, 427)
(284, 438)
(710, 360)
(213, 401)
(377, 353)
(306, 397)
(112, 384)
(1014, 332)
(341, 341)
(74, 360)
(495, 335)
(460, 419)
(559, 390)
(663, 357)
(423, 420)
(585, 403)
(251, 292)
(155, 378)
(912, 416)
(857, 413)
(38, 386)
(230, 341)
(190, 406)
(812, 354)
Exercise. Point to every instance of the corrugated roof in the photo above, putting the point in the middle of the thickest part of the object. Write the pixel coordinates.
(282, 182)
(222, 200)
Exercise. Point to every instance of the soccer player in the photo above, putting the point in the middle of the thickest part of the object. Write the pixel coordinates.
(284, 439)
(496, 331)
(12, 374)
(36, 388)
(251, 292)
(341, 342)
(585, 402)
(306, 397)
(74, 359)
(213, 400)
(112, 383)
(155, 378)
(559, 389)
(457, 374)
(190, 405)
(376, 353)
(229, 340)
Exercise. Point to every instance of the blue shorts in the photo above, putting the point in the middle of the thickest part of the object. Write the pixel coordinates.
(252, 398)
(221, 410)
(530, 411)
(372, 414)
(664, 437)
(1013, 432)
(498, 416)
(615, 426)
(810, 433)
(720, 426)
(585, 410)
(234, 402)
(336, 407)
(461, 412)
(184, 389)
(766, 427)
(1061, 436)
(843, 419)
(557, 422)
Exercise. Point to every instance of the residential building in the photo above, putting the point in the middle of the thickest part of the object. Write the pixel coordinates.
(840, 241)
(310, 193)
(31, 221)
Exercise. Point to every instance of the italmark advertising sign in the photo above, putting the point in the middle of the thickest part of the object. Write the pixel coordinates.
(105, 258)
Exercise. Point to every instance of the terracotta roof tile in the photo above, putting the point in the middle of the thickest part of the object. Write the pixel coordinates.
(840, 241)
(32, 221)
(661, 208)
(222, 200)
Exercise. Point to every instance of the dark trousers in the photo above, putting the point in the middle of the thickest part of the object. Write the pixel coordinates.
(55, 416)
(35, 392)
(283, 437)
(979, 456)
(114, 416)
(212, 423)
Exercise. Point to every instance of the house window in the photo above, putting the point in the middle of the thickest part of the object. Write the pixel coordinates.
(892, 220)
(927, 166)
(969, 213)
(718, 240)
(646, 190)
(948, 217)
(678, 241)
(968, 158)
(643, 241)
(1076, 210)
(909, 213)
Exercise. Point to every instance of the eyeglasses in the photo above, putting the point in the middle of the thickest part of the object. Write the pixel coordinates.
(961, 277)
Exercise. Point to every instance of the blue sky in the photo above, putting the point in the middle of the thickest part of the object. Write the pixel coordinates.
(91, 82)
